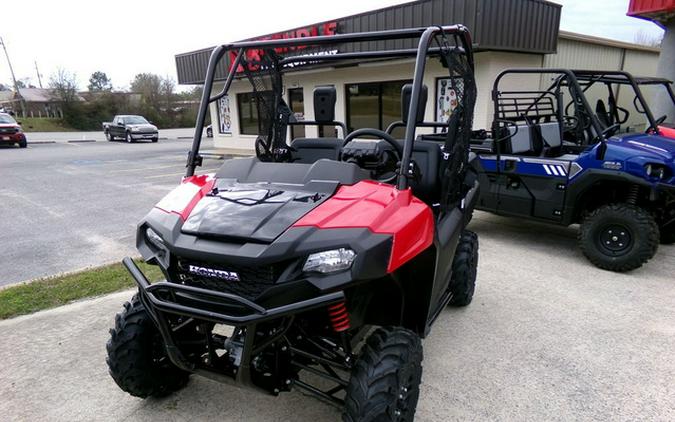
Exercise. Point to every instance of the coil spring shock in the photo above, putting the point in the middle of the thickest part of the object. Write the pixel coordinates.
(339, 317)
(633, 194)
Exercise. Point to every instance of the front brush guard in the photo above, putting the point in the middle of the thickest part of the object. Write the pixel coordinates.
(157, 307)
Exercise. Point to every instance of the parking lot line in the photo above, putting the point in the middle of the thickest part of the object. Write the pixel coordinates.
(202, 171)
(131, 170)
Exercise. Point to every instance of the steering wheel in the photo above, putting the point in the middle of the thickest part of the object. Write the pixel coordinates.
(570, 123)
(397, 150)
(657, 123)
(611, 130)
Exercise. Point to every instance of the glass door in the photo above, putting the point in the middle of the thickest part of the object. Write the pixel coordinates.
(296, 101)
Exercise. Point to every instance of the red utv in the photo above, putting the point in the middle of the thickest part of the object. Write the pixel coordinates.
(329, 257)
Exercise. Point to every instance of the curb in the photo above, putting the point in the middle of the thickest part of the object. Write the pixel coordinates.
(40, 142)
(67, 273)
(215, 155)
(75, 141)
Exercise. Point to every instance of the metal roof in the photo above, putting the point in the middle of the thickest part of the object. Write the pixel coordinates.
(502, 25)
(607, 42)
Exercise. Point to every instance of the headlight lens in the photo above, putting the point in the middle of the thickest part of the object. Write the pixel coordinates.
(155, 238)
(135, 129)
(656, 171)
(330, 261)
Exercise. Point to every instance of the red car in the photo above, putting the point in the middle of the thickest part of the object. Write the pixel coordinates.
(11, 132)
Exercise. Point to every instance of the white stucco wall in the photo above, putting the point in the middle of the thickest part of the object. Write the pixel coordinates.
(571, 54)
(488, 65)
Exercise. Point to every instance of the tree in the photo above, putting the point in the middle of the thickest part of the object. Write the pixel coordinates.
(166, 91)
(149, 86)
(4, 87)
(650, 40)
(99, 81)
(64, 85)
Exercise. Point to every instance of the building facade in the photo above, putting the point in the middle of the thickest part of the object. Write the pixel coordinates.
(506, 34)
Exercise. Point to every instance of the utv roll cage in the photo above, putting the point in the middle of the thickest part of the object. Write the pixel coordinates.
(536, 106)
(274, 61)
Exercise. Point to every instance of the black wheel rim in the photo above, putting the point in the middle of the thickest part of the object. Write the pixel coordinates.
(404, 407)
(615, 240)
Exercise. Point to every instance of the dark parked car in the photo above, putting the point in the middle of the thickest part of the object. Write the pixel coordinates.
(131, 128)
(11, 132)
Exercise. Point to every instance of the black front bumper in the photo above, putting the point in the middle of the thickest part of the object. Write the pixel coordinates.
(212, 306)
(666, 188)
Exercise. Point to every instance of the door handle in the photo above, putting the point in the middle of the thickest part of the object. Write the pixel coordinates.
(510, 163)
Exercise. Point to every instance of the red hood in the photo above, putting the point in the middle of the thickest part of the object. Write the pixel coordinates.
(6, 125)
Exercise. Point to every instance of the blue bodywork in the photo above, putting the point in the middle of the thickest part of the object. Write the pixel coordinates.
(631, 153)
(553, 188)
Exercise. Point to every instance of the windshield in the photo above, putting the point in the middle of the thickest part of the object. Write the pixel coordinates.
(6, 118)
(659, 101)
(135, 120)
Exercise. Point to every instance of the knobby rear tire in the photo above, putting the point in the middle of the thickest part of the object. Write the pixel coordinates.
(464, 270)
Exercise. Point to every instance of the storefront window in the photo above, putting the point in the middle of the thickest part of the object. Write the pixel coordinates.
(374, 104)
(248, 114)
(296, 101)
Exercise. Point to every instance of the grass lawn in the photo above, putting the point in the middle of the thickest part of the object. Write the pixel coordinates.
(56, 291)
(44, 125)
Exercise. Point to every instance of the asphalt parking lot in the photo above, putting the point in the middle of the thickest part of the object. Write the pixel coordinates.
(548, 337)
(66, 206)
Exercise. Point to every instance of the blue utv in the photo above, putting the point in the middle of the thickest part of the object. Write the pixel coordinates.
(553, 158)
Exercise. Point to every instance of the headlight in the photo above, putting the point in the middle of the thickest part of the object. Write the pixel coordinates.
(656, 171)
(155, 239)
(329, 261)
(135, 129)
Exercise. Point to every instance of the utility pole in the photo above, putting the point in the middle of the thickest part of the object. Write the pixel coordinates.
(38, 74)
(16, 86)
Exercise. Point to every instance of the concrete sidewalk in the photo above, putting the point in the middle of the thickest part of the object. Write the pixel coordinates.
(547, 337)
(99, 136)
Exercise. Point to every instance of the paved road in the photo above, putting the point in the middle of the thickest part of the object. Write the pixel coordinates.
(39, 137)
(66, 206)
(548, 337)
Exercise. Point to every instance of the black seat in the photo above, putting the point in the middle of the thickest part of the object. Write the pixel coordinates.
(604, 117)
(427, 155)
(309, 150)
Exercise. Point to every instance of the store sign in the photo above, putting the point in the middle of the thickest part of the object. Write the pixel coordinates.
(254, 56)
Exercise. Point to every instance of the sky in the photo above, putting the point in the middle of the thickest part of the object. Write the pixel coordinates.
(125, 37)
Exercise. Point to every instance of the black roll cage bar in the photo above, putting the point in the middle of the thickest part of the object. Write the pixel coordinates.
(620, 77)
(460, 34)
(572, 78)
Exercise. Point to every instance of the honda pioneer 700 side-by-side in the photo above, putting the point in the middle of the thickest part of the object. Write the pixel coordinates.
(330, 256)
(551, 157)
